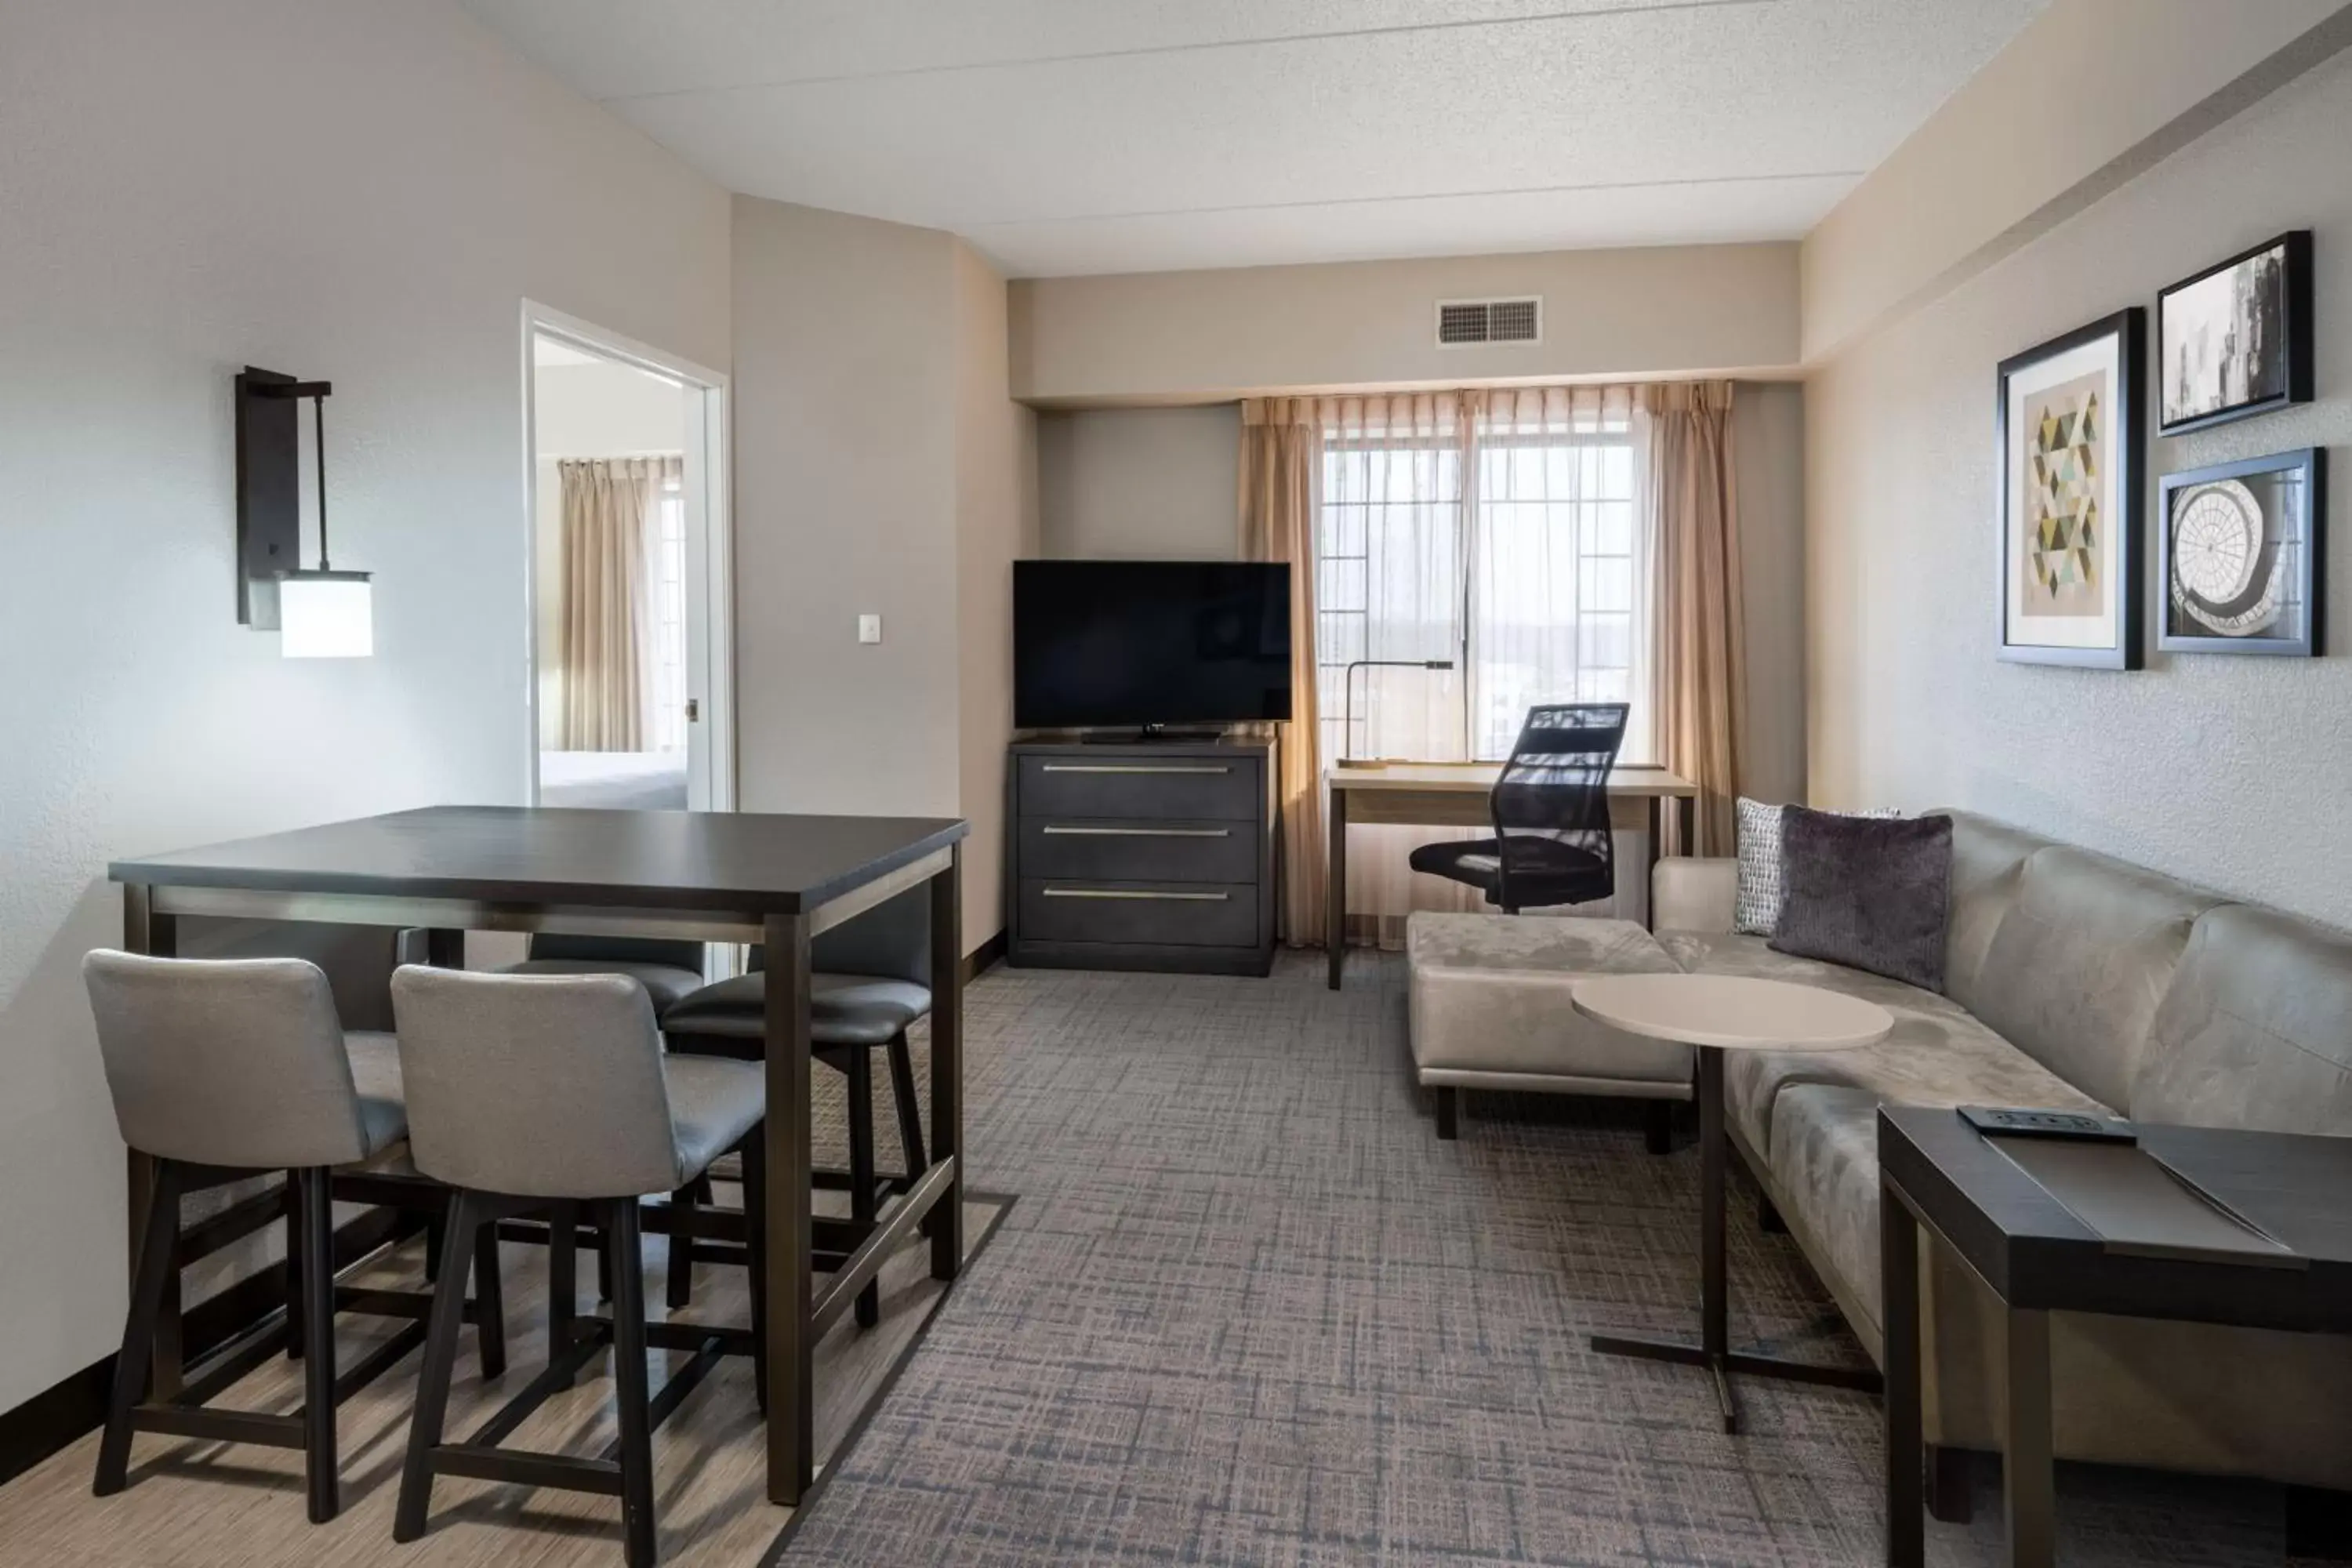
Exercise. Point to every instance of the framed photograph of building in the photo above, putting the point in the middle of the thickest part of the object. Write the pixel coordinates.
(2235, 339)
(2069, 418)
(2241, 556)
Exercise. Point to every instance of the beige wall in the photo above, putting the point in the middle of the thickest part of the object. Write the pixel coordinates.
(2092, 93)
(2228, 771)
(1176, 337)
(1768, 421)
(1142, 483)
(879, 468)
(996, 512)
(360, 193)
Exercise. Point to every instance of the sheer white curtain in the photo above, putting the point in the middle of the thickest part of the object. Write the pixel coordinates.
(1497, 530)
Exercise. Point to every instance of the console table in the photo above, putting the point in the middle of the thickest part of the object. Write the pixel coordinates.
(2037, 1258)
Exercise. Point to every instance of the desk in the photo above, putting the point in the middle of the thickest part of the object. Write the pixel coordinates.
(2037, 1256)
(731, 878)
(1454, 795)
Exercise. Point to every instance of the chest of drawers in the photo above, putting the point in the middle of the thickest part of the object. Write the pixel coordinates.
(1154, 856)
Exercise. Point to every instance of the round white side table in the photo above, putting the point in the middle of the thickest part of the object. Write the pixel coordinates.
(1714, 1014)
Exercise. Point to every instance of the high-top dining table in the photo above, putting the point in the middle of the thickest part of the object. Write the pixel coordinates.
(722, 878)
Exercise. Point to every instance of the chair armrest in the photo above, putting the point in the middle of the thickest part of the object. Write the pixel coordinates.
(1694, 895)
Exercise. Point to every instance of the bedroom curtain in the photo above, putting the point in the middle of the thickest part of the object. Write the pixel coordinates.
(606, 624)
(1697, 693)
(1281, 448)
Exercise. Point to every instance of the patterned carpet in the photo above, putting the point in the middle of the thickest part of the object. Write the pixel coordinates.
(1250, 1311)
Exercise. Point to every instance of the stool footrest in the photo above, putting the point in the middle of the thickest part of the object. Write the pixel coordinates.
(480, 1463)
(220, 1426)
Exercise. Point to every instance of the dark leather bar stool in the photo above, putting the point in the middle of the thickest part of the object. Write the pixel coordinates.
(669, 971)
(552, 1094)
(224, 1070)
(871, 978)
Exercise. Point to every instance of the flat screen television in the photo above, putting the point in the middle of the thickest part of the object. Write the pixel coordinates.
(1143, 644)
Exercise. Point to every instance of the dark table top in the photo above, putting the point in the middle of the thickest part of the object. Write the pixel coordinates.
(749, 862)
(2032, 1250)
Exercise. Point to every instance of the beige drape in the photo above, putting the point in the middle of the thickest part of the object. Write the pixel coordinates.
(1697, 701)
(1281, 448)
(605, 628)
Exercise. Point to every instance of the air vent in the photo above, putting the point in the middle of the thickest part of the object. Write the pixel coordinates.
(1466, 323)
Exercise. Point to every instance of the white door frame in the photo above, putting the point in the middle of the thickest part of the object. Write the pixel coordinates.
(709, 545)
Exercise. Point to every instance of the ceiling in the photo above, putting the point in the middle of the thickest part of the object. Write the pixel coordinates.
(1077, 136)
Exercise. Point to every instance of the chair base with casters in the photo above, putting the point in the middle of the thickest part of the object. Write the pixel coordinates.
(304, 1330)
(625, 1467)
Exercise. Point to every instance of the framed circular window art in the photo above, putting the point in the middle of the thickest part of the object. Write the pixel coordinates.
(2240, 546)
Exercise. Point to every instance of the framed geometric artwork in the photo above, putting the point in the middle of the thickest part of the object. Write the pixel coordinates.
(2241, 556)
(2073, 473)
(2235, 339)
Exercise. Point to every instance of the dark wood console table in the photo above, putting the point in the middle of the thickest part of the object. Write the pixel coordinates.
(2037, 1258)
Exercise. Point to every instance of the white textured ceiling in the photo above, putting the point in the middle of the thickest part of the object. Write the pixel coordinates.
(1074, 136)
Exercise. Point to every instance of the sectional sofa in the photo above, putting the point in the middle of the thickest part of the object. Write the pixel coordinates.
(2075, 981)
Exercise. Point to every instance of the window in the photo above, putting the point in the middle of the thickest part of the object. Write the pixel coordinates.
(1500, 536)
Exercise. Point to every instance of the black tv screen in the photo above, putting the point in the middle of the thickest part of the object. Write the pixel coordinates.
(1150, 642)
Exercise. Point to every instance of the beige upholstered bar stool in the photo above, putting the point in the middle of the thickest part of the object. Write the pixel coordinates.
(528, 1093)
(223, 1070)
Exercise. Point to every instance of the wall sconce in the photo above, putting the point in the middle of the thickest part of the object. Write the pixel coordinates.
(321, 614)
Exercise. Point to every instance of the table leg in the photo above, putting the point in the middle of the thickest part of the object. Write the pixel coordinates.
(1713, 1283)
(791, 1400)
(445, 949)
(947, 1061)
(1714, 1350)
(157, 935)
(1687, 823)
(1335, 884)
(1657, 820)
(1898, 1289)
(2027, 1472)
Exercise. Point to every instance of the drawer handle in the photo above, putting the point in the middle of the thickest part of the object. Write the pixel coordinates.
(1131, 768)
(1139, 832)
(1136, 893)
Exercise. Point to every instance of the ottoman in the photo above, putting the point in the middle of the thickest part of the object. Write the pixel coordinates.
(1488, 1001)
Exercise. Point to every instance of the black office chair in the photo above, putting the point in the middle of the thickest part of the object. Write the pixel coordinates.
(1551, 844)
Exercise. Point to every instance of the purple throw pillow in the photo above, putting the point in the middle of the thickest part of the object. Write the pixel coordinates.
(1867, 892)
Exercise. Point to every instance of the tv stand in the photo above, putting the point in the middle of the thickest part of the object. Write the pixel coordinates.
(1155, 734)
(1152, 855)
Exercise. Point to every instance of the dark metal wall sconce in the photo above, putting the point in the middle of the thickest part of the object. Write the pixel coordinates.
(317, 614)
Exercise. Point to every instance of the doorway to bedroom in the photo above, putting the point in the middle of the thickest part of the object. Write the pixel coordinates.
(630, 694)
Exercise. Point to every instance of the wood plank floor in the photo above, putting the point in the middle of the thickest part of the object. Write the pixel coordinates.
(198, 1504)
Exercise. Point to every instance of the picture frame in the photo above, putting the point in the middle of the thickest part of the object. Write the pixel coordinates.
(2069, 418)
(2235, 339)
(2242, 556)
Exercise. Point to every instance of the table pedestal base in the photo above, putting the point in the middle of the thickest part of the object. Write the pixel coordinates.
(1723, 1363)
(1715, 1352)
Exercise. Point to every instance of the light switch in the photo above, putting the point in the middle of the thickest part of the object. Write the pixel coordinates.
(869, 628)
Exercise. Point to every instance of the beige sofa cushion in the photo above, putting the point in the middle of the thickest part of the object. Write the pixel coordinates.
(2081, 961)
(1491, 994)
(1987, 864)
(1937, 1054)
(2257, 1029)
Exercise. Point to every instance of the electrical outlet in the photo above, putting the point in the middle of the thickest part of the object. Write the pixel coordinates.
(869, 628)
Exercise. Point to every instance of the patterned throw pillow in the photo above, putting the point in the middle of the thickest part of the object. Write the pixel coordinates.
(1757, 911)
